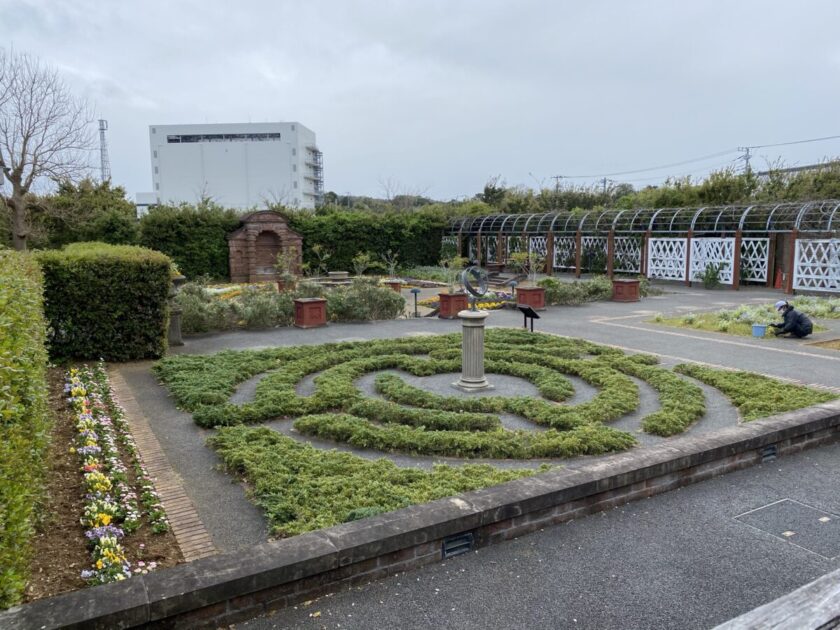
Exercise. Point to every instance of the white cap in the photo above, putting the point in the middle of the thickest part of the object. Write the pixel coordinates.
(780, 304)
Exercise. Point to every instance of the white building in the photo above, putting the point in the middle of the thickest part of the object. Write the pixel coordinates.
(238, 165)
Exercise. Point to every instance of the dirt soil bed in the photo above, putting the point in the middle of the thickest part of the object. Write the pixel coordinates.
(831, 344)
(60, 550)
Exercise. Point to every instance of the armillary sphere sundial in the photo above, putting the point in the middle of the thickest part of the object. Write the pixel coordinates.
(472, 378)
(474, 280)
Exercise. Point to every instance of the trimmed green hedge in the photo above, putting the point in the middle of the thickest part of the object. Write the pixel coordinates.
(414, 236)
(24, 421)
(106, 301)
(194, 237)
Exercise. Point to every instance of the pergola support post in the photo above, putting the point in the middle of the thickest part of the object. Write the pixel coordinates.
(688, 258)
(771, 261)
(578, 252)
(610, 253)
(478, 249)
(736, 262)
(643, 264)
(549, 254)
(501, 249)
(791, 261)
(459, 248)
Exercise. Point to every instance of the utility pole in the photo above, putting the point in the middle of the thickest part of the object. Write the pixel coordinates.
(746, 158)
(104, 161)
(604, 183)
(557, 179)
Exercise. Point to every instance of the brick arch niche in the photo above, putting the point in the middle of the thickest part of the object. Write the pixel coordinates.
(255, 244)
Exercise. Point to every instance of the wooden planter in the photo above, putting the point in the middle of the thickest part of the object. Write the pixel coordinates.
(531, 296)
(451, 304)
(310, 312)
(394, 285)
(625, 290)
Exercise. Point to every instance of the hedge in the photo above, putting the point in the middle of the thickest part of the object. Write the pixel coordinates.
(106, 301)
(24, 420)
(414, 236)
(194, 237)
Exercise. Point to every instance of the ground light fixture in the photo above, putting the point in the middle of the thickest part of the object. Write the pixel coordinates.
(416, 292)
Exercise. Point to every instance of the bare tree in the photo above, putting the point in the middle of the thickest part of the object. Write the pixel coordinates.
(45, 133)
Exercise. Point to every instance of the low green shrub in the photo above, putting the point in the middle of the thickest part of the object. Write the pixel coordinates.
(302, 488)
(754, 395)
(261, 306)
(24, 416)
(106, 301)
(558, 292)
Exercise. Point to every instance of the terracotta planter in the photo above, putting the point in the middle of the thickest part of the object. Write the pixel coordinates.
(625, 290)
(310, 312)
(451, 304)
(531, 296)
(394, 285)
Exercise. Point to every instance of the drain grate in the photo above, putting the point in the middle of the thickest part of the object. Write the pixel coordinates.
(799, 524)
(769, 453)
(456, 545)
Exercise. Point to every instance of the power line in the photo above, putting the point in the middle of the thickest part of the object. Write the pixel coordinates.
(784, 144)
(652, 168)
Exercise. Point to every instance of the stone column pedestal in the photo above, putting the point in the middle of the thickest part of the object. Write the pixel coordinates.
(472, 351)
(175, 338)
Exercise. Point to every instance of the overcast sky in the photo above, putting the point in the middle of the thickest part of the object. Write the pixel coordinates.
(438, 96)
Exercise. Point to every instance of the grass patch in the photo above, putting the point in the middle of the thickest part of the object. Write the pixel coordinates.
(328, 487)
(739, 321)
(754, 395)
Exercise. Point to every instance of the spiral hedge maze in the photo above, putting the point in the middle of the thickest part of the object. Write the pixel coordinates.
(411, 420)
(301, 488)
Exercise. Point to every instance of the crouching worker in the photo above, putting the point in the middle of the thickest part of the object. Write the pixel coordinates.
(796, 323)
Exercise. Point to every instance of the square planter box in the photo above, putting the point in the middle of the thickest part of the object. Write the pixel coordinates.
(531, 296)
(451, 304)
(625, 290)
(395, 285)
(310, 312)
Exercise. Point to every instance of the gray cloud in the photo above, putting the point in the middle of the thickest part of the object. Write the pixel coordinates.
(441, 95)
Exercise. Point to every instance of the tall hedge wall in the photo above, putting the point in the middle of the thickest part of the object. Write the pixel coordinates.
(24, 420)
(194, 237)
(415, 236)
(106, 301)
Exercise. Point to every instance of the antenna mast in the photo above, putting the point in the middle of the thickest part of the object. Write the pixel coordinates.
(104, 162)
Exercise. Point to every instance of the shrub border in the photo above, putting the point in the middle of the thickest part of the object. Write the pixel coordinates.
(229, 588)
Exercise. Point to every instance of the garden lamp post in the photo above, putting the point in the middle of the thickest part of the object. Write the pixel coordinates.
(415, 291)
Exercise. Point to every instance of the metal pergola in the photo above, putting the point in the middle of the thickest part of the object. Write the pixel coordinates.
(626, 235)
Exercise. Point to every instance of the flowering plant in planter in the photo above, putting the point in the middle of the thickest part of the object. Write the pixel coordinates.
(453, 268)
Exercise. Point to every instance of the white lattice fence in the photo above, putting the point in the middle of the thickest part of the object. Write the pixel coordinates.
(713, 251)
(538, 245)
(491, 249)
(666, 258)
(754, 256)
(564, 252)
(627, 257)
(594, 253)
(817, 265)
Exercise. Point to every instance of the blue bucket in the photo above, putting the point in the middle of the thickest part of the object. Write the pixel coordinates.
(759, 330)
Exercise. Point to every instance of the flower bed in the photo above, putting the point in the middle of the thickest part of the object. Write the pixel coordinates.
(739, 321)
(119, 499)
(493, 300)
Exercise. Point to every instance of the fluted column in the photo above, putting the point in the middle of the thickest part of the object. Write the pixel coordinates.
(472, 351)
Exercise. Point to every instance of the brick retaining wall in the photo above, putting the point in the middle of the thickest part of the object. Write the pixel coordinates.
(224, 589)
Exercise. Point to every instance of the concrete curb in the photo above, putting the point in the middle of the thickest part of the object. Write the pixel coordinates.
(224, 589)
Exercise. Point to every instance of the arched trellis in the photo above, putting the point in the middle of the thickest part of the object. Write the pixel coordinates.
(742, 236)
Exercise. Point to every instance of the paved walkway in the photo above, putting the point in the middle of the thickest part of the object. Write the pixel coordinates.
(678, 560)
